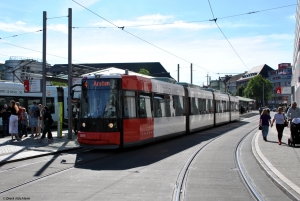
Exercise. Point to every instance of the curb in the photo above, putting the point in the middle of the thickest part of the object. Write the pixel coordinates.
(286, 189)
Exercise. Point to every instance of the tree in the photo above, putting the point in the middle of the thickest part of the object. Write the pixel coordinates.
(59, 84)
(240, 91)
(144, 71)
(257, 86)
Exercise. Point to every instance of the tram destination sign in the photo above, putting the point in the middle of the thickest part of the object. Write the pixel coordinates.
(32, 86)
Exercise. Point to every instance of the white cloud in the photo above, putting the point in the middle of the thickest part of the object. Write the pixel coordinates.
(18, 26)
(162, 22)
(292, 17)
(59, 28)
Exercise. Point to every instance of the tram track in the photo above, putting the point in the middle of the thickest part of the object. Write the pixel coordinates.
(182, 178)
(61, 170)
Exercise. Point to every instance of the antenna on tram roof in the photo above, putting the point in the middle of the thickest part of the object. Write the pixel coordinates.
(126, 71)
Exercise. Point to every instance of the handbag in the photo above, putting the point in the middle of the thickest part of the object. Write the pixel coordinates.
(259, 128)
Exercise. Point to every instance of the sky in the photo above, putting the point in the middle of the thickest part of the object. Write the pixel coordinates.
(166, 31)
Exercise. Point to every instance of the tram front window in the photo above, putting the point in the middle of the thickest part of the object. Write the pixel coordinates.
(100, 99)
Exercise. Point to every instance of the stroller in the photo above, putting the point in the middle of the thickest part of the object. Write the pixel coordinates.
(295, 132)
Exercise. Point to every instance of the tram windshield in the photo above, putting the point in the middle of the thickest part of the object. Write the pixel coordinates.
(100, 98)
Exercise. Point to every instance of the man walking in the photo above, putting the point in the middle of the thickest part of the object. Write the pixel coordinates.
(293, 112)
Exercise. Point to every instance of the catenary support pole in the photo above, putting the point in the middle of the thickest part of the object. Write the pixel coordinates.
(191, 73)
(70, 72)
(178, 73)
(44, 58)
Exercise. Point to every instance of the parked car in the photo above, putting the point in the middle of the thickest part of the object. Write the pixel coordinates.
(274, 109)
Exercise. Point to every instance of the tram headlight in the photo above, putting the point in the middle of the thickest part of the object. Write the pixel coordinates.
(83, 125)
(110, 125)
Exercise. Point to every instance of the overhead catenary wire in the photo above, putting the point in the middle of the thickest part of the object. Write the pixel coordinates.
(20, 34)
(35, 50)
(215, 20)
(194, 21)
(122, 28)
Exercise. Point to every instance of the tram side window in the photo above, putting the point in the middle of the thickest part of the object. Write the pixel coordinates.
(159, 105)
(145, 110)
(178, 105)
(224, 106)
(170, 111)
(129, 104)
(219, 106)
(210, 106)
(194, 106)
(202, 105)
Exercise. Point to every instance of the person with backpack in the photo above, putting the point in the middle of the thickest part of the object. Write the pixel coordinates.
(34, 114)
(47, 123)
(25, 123)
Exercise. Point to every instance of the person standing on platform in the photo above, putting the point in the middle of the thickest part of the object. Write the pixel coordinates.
(13, 121)
(40, 119)
(20, 119)
(34, 114)
(25, 123)
(75, 119)
(264, 122)
(279, 118)
(5, 114)
(47, 123)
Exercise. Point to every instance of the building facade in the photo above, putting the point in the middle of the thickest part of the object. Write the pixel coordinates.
(281, 80)
(295, 83)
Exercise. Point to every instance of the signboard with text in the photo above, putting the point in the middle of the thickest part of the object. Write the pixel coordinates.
(32, 86)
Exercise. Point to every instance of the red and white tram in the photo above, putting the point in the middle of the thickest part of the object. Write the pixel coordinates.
(126, 110)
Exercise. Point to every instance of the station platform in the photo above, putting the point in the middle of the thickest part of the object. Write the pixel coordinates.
(28, 147)
(280, 162)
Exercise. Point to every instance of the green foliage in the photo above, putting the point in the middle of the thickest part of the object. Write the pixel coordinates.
(59, 84)
(240, 91)
(257, 86)
(144, 71)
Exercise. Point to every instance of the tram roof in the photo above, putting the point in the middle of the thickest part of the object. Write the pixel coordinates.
(245, 99)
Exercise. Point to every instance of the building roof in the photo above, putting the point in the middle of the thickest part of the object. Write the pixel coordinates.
(261, 69)
(235, 78)
(155, 68)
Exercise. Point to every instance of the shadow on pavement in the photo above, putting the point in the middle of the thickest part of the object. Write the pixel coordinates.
(150, 153)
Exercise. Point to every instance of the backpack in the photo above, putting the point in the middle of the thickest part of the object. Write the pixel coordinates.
(36, 112)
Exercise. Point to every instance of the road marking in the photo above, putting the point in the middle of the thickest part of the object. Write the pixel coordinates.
(272, 168)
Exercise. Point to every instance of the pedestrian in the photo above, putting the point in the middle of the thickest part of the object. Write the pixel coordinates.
(13, 121)
(293, 112)
(47, 123)
(267, 108)
(34, 114)
(5, 114)
(40, 118)
(264, 122)
(75, 119)
(279, 117)
(25, 123)
(20, 119)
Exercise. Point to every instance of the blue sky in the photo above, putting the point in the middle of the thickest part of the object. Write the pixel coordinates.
(266, 37)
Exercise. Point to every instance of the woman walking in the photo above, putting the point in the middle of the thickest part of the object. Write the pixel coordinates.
(265, 119)
(279, 118)
(13, 121)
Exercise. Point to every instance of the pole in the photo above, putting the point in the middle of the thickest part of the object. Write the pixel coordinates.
(263, 103)
(178, 73)
(70, 72)
(44, 58)
(191, 73)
